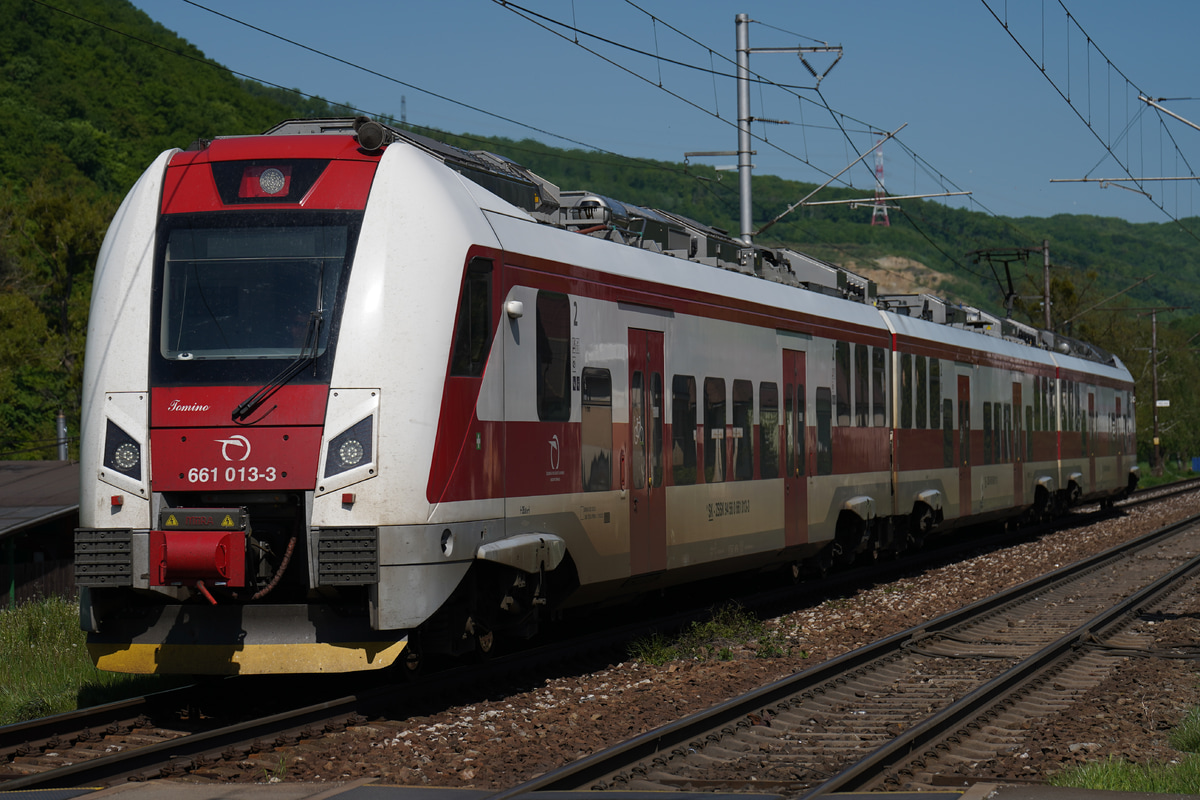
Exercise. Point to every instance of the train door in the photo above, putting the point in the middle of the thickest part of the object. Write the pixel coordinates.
(795, 480)
(964, 445)
(1015, 447)
(647, 509)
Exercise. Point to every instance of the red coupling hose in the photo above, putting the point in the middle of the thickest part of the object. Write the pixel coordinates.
(204, 591)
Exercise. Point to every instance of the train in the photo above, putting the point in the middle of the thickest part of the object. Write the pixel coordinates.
(353, 397)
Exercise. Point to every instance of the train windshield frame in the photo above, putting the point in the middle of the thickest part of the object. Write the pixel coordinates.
(236, 295)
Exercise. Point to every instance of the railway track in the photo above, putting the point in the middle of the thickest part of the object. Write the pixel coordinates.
(106, 745)
(173, 732)
(134, 739)
(901, 712)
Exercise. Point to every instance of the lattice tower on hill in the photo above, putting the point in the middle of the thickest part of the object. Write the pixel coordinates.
(879, 215)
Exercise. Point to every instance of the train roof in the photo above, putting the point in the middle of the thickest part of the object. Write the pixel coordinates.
(672, 234)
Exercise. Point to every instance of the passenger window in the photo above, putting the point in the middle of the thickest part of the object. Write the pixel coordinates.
(714, 430)
(1007, 455)
(1071, 405)
(743, 430)
(824, 431)
(862, 387)
(1037, 405)
(553, 357)
(987, 433)
(596, 429)
(1029, 433)
(922, 393)
(768, 429)
(947, 433)
(1085, 422)
(935, 393)
(1048, 421)
(998, 438)
(906, 408)
(878, 395)
(683, 430)
(842, 381)
(1055, 416)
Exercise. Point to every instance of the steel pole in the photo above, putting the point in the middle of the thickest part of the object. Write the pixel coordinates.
(743, 111)
(1155, 458)
(1046, 283)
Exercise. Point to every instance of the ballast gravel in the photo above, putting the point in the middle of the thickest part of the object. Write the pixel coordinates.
(501, 742)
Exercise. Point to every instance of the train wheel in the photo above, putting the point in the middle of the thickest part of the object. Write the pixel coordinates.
(485, 642)
(822, 563)
(920, 523)
(411, 663)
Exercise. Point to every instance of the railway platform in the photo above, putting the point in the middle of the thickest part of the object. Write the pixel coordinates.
(366, 789)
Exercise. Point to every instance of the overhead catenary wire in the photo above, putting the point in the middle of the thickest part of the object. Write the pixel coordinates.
(1065, 93)
(536, 19)
(545, 23)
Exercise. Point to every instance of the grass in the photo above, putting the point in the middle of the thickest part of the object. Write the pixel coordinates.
(1122, 776)
(1185, 737)
(728, 629)
(1172, 471)
(47, 668)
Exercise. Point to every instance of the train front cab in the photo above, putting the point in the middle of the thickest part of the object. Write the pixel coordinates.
(210, 354)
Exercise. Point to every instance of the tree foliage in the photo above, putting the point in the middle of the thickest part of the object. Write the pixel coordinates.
(91, 91)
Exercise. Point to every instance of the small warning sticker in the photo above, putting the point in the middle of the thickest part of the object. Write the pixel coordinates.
(203, 519)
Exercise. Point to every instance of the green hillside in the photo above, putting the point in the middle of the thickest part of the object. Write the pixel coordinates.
(92, 90)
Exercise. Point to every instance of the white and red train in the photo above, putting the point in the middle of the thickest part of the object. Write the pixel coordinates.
(350, 394)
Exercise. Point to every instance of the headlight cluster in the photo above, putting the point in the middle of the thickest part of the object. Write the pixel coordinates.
(122, 453)
(350, 448)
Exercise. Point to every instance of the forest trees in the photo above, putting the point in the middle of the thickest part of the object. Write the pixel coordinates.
(49, 240)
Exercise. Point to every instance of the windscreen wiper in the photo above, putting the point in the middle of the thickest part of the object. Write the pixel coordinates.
(308, 353)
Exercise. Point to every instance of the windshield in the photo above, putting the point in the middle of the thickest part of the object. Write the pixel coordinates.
(245, 292)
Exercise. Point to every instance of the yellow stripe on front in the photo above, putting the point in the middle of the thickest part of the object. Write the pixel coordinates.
(253, 659)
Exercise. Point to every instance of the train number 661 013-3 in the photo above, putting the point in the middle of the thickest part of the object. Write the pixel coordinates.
(231, 474)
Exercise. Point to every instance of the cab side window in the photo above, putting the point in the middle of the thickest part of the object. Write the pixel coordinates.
(473, 332)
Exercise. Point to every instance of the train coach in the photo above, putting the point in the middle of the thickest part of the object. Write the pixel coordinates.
(352, 395)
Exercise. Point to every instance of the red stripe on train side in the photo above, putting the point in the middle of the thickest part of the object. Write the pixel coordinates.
(922, 449)
(468, 453)
(860, 450)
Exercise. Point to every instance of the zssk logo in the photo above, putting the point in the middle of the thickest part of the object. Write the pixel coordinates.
(236, 441)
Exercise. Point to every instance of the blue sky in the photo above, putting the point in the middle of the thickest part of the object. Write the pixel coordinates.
(978, 114)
